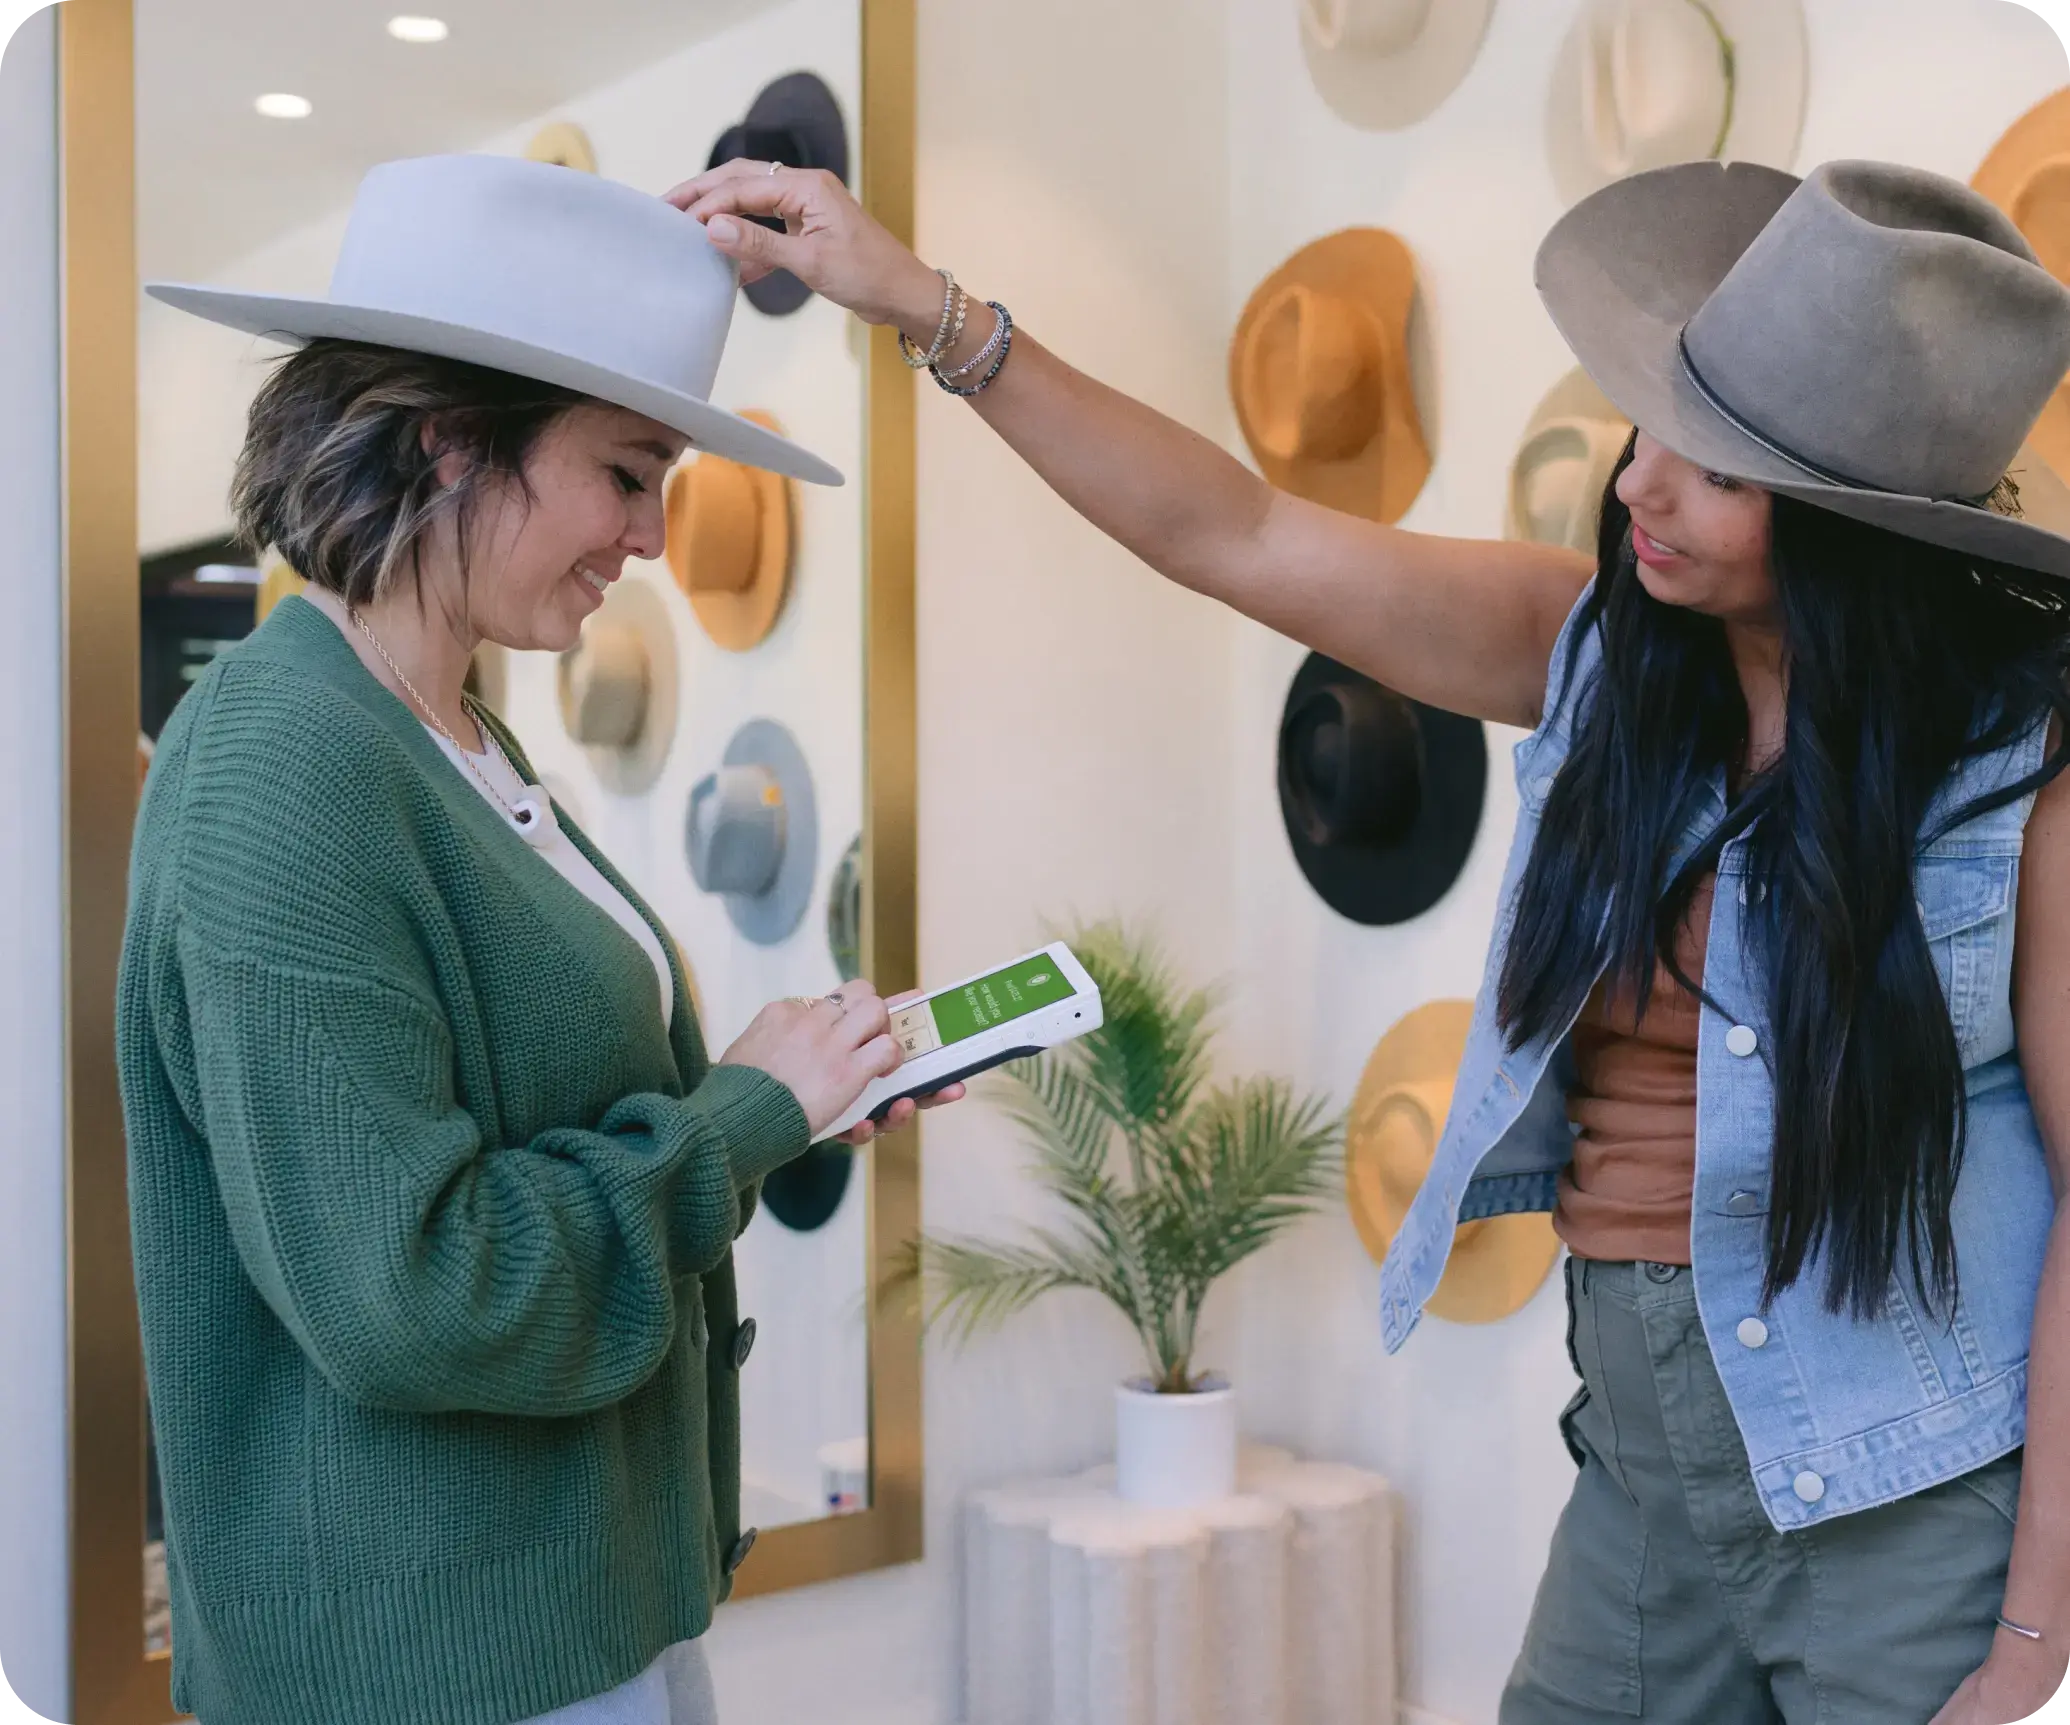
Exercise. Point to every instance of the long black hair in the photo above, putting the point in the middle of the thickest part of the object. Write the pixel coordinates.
(1902, 660)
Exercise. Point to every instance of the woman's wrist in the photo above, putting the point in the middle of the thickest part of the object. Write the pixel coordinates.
(916, 308)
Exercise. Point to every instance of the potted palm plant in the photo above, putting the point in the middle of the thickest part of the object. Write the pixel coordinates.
(1167, 1181)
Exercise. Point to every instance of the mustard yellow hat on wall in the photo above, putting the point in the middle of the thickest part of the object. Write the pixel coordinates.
(1319, 373)
(2027, 175)
(1397, 1116)
(729, 544)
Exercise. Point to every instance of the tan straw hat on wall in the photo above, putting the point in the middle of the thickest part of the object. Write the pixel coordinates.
(1319, 373)
(1396, 1119)
(1647, 83)
(729, 544)
(2027, 175)
(1563, 465)
(1385, 64)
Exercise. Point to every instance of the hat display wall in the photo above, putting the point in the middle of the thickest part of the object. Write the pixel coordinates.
(565, 145)
(1385, 64)
(1644, 84)
(795, 121)
(2027, 175)
(1875, 340)
(1319, 373)
(535, 270)
(753, 832)
(1570, 448)
(1397, 1117)
(617, 686)
(1380, 794)
(729, 544)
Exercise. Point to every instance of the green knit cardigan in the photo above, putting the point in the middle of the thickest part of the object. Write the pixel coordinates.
(432, 1225)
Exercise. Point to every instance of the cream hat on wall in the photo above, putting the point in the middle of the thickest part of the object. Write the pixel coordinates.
(2027, 175)
(1647, 83)
(1397, 1117)
(1385, 64)
(1319, 374)
(565, 145)
(618, 687)
(1563, 465)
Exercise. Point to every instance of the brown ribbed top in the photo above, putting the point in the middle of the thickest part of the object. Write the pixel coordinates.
(1628, 1192)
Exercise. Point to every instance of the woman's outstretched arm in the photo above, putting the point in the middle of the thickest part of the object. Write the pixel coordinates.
(1460, 623)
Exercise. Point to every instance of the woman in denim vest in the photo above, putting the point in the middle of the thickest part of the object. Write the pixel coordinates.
(1777, 1012)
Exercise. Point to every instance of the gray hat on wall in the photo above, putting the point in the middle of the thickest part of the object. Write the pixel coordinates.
(1875, 340)
(753, 832)
(536, 270)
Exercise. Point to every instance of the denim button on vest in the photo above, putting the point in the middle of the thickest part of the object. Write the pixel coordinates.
(1873, 1411)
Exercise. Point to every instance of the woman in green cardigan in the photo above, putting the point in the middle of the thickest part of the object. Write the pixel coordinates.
(434, 1188)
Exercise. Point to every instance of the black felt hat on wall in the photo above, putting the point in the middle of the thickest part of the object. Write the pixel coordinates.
(1381, 795)
(797, 122)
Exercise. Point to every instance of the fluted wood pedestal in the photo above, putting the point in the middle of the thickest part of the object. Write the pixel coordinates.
(1273, 1607)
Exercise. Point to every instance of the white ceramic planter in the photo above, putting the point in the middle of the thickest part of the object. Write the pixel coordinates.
(1174, 1451)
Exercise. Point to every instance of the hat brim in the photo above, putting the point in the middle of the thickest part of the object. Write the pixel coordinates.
(2042, 132)
(292, 321)
(1771, 61)
(1382, 885)
(1624, 271)
(1385, 92)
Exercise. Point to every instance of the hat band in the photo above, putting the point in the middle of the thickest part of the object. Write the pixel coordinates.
(1746, 428)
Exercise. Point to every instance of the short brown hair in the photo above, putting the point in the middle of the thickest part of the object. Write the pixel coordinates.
(335, 474)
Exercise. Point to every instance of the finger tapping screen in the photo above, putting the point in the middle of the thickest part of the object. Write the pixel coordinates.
(959, 1014)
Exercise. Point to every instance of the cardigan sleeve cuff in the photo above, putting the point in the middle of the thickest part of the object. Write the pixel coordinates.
(757, 1118)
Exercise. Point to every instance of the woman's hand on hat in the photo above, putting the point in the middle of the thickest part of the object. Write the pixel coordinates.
(832, 244)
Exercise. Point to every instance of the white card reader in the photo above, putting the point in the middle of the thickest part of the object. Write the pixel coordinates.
(1040, 1001)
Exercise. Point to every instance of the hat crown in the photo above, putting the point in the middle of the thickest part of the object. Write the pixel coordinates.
(1653, 84)
(1556, 485)
(1366, 26)
(540, 254)
(1315, 375)
(1870, 269)
(723, 523)
(604, 682)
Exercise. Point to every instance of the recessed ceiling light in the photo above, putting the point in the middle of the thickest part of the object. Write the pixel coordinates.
(408, 29)
(281, 106)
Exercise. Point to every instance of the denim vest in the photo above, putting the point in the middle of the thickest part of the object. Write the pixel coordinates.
(1837, 1414)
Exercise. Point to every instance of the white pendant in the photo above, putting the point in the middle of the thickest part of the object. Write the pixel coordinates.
(534, 817)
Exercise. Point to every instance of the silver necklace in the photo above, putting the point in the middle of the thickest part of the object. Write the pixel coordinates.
(528, 814)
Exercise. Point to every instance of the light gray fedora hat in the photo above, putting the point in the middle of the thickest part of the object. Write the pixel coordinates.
(752, 832)
(537, 270)
(1873, 339)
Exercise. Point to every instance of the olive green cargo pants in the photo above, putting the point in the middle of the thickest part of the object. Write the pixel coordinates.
(1670, 1597)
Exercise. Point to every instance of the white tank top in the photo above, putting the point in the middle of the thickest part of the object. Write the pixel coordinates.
(560, 850)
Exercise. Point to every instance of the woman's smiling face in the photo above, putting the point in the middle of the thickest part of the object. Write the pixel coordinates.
(538, 568)
(1701, 540)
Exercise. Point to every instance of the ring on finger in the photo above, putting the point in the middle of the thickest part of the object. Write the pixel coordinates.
(773, 166)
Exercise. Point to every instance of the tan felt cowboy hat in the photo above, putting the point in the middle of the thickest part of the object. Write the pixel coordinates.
(1875, 340)
(1385, 64)
(617, 686)
(729, 544)
(2027, 175)
(1319, 373)
(1397, 1117)
(1563, 466)
(1647, 83)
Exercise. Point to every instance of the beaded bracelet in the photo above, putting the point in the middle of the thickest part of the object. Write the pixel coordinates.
(977, 359)
(1002, 338)
(909, 349)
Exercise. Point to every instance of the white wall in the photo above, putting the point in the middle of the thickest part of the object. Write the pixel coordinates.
(34, 1491)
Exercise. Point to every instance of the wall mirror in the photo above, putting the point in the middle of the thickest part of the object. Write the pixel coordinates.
(773, 646)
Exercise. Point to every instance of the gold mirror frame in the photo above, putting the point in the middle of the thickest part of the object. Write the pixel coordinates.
(114, 1682)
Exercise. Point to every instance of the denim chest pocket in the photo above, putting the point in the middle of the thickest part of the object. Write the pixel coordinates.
(1966, 910)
